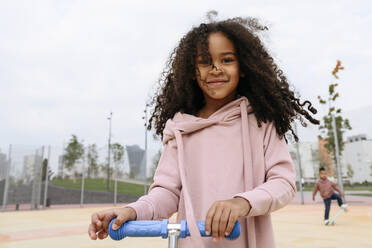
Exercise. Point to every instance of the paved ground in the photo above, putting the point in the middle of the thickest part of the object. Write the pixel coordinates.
(302, 226)
(295, 226)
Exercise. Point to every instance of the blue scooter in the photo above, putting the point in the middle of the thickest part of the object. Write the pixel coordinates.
(164, 229)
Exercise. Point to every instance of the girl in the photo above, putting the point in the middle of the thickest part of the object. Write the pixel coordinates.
(222, 110)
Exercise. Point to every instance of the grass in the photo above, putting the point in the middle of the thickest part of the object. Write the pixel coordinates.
(99, 184)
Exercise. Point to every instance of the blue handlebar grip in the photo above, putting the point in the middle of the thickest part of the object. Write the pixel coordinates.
(234, 234)
(151, 228)
(139, 228)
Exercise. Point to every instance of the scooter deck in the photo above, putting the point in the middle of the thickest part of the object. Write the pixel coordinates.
(332, 221)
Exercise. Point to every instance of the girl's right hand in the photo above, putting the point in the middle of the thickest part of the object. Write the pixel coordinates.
(100, 221)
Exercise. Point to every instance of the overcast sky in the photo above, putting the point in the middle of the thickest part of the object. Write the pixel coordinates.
(64, 65)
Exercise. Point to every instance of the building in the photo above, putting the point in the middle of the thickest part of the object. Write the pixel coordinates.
(136, 161)
(28, 171)
(357, 156)
(356, 160)
(309, 160)
(60, 166)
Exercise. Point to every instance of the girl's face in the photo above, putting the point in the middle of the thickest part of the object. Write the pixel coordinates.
(219, 78)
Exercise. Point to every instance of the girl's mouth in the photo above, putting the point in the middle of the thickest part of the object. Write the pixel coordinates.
(216, 83)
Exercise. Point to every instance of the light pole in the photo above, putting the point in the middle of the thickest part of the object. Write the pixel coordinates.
(82, 180)
(109, 153)
(337, 158)
(338, 164)
(46, 180)
(7, 172)
(145, 155)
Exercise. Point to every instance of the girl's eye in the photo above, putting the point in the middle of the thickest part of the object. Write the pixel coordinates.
(227, 60)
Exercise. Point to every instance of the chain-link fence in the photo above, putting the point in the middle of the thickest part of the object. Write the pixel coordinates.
(34, 177)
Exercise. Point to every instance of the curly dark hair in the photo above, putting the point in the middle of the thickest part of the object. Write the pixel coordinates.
(264, 84)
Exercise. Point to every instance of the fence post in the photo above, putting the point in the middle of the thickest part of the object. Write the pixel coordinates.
(82, 184)
(46, 180)
(116, 184)
(7, 172)
(36, 185)
(299, 165)
(38, 196)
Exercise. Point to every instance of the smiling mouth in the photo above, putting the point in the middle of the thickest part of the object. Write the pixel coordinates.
(217, 83)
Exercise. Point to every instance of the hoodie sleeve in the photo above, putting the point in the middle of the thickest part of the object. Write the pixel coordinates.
(279, 187)
(163, 196)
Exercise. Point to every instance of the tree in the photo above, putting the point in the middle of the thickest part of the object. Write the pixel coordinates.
(73, 152)
(92, 157)
(342, 124)
(318, 161)
(350, 171)
(118, 156)
(103, 168)
(134, 171)
(50, 172)
(155, 162)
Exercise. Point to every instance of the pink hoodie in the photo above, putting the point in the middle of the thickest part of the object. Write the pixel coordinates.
(218, 158)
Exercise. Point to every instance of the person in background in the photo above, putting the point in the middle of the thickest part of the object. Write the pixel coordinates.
(326, 189)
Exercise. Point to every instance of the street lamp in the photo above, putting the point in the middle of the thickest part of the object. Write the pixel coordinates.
(145, 155)
(109, 152)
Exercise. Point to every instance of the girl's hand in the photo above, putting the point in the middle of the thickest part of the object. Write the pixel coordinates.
(222, 216)
(100, 221)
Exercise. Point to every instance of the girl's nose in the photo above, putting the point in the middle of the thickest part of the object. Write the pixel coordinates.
(215, 69)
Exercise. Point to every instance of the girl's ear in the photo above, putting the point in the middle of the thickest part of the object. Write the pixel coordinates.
(242, 75)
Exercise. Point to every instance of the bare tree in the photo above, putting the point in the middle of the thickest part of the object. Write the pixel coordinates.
(342, 124)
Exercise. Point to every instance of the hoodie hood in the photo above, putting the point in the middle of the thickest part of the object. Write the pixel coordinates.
(183, 124)
(186, 123)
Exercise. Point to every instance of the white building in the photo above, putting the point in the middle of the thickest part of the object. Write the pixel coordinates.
(28, 168)
(309, 162)
(357, 155)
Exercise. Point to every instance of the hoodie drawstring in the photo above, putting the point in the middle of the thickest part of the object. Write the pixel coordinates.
(190, 217)
(247, 170)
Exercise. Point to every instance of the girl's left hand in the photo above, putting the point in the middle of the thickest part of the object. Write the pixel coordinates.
(222, 216)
